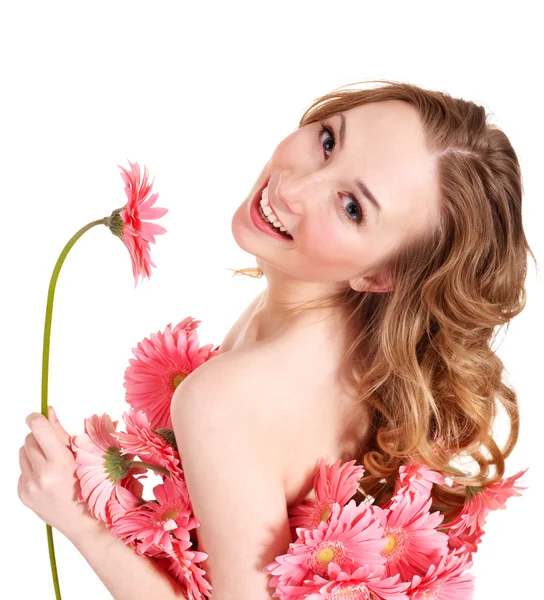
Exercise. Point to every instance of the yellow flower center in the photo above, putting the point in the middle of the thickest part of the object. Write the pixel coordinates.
(326, 514)
(177, 379)
(350, 592)
(325, 555)
(397, 541)
(165, 517)
(171, 514)
(390, 543)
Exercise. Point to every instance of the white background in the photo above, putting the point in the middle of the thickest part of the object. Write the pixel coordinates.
(202, 93)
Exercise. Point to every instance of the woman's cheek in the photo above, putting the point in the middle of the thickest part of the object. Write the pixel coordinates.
(288, 152)
(327, 244)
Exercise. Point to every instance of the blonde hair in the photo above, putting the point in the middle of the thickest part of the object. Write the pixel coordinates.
(421, 356)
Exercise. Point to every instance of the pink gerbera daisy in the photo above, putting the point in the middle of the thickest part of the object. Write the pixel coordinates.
(336, 483)
(468, 538)
(125, 497)
(413, 543)
(157, 448)
(467, 527)
(360, 584)
(128, 223)
(352, 537)
(161, 364)
(182, 564)
(155, 525)
(445, 580)
(418, 478)
(102, 465)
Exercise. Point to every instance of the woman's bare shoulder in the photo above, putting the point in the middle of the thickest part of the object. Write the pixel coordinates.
(258, 371)
(244, 386)
(274, 369)
(293, 384)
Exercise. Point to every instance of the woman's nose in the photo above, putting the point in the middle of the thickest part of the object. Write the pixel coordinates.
(296, 194)
(286, 200)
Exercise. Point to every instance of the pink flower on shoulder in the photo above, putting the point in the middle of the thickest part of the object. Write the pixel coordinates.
(336, 483)
(445, 580)
(351, 538)
(413, 542)
(102, 464)
(162, 363)
(128, 222)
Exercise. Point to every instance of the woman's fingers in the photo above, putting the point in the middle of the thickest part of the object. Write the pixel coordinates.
(24, 463)
(63, 434)
(47, 438)
(33, 452)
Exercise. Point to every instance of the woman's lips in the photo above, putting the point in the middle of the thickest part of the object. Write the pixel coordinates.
(259, 192)
(257, 219)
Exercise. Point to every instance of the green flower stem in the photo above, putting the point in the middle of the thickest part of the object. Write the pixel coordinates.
(139, 463)
(53, 562)
(49, 308)
(45, 369)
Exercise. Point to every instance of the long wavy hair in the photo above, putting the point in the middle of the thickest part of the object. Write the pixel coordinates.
(422, 357)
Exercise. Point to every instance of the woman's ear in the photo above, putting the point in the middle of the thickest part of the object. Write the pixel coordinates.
(382, 282)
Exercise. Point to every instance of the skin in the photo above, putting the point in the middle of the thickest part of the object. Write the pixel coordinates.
(310, 178)
(48, 484)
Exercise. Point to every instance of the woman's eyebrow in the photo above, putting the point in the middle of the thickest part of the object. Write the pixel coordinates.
(360, 184)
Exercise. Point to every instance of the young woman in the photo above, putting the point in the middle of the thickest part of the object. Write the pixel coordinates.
(388, 226)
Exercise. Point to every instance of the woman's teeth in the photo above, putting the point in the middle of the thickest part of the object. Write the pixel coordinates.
(269, 216)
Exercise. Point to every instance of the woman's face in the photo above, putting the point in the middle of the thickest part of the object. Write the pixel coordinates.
(312, 180)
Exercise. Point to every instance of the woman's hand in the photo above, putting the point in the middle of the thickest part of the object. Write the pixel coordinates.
(48, 484)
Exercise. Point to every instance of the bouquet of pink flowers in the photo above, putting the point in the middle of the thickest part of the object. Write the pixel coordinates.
(110, 474)
(339, 549)
(390, 552)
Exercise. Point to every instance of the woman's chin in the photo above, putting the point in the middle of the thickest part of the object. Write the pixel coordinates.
(240, 230)
(244, 232)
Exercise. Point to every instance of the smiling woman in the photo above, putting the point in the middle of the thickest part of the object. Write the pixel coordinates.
(371, 345)
(431, 160)
(416, 275)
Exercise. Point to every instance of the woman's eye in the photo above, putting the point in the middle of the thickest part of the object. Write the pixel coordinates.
(353, 209)
(330, 135)
(355, 214)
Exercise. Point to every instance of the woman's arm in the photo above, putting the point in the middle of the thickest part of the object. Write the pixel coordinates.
(231, 434)
(48, 486)
(126, 574)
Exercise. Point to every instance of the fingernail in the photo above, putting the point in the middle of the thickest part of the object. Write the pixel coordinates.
(53, 413)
